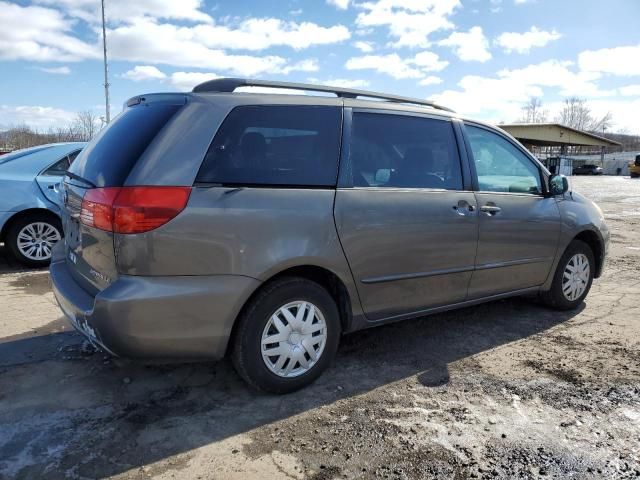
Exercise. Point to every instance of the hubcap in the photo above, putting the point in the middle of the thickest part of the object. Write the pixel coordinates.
(293, 339)
(576, 276)
(36, 240)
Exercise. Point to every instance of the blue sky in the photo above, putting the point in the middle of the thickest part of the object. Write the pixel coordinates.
(483, 58)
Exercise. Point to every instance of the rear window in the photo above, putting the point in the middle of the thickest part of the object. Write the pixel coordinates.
(108, 159)
(295, 145)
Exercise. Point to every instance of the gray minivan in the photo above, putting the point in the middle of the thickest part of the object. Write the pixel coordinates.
(265, 226)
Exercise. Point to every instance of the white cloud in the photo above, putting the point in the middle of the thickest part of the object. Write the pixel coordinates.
(341, 82)
(500, 98)
(341, 4)
(623, 61)
(364, 47)
(430, 80)
(429, 62)
(141, 73)
(469, 46)
(262, 33)
(630, 90)
(523, 42)
(397, 67)
(39, 34)
(390, 64)
(127, 10)
(35, 116)
(185, 81)
(308, 65)
(522, 2)
(623, 112)
(173, 45)
(56, 70)
(410, 22)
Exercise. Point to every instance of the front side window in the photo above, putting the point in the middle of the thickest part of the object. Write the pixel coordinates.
(294, 145)
(398, 151)
(500, 166)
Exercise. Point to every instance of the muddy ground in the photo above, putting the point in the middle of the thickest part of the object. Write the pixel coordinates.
(504, 390)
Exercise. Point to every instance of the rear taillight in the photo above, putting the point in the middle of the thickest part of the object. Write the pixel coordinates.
(132, 209)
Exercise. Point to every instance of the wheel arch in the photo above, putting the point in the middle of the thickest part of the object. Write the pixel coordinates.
(596, 244)
(24, 214)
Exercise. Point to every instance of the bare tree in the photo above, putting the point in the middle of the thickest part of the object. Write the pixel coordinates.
(577, 114)
(83, 128)
(86, 125)
(532, 112)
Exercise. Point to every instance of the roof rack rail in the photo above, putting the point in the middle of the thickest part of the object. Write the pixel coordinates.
(229, 85)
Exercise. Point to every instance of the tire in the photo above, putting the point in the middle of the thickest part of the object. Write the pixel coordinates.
(257, 322)
(634, 175)
(33, 226)
(555, 297)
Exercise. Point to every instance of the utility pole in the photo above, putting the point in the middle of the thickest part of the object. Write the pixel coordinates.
(106, 68)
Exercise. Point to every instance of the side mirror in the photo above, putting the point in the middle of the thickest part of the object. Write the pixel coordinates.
(558, 184)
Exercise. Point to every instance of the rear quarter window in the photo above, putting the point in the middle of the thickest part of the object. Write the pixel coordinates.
(295, 145)
(108, 159)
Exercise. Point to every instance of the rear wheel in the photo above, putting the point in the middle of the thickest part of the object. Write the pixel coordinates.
(573, 277)
(286, 336)
(32, 238)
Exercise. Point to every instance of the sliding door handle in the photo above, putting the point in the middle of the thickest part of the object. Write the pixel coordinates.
(490, 209)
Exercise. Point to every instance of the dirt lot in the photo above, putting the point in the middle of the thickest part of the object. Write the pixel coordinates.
(508, 389)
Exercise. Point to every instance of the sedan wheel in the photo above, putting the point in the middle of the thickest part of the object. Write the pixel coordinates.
(36, 240)
(31, 238)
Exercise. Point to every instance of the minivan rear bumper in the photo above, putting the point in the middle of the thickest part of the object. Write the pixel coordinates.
(162, 318)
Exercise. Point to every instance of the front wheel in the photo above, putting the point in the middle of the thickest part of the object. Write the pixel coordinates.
(286, 336)
(32, 238)
(573, 277)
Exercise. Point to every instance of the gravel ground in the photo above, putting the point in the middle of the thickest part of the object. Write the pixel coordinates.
(507, 389)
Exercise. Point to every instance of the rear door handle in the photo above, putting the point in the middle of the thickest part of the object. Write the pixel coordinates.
(490, 209)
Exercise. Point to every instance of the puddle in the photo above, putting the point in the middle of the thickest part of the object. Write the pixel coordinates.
(33, 283)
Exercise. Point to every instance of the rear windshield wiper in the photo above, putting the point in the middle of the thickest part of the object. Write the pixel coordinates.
(80, 179)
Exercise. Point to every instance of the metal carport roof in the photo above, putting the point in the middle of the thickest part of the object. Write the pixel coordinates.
(542, 134)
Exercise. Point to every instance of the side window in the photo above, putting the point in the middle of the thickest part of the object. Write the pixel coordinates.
(58, 168)
(500, 166)
(72, 156)
(62, 165)
(403, 152)
(275, 145)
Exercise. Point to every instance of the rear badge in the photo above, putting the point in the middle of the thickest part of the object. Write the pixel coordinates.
(100, 276)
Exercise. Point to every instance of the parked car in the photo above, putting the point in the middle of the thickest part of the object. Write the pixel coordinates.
(588, 170)
(29, 213)
(634, 167)
(265, 226)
